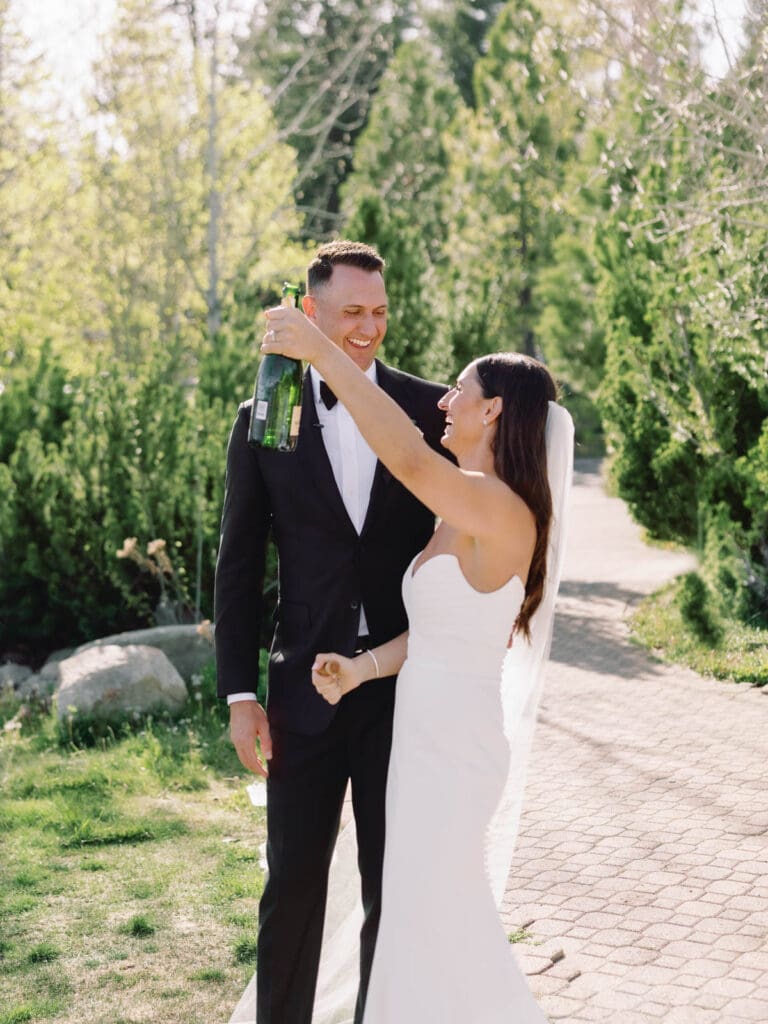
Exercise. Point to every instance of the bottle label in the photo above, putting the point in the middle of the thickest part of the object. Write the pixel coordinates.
(261, 410)
(295, 420)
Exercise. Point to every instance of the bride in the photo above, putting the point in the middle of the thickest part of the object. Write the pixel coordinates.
(486, 581)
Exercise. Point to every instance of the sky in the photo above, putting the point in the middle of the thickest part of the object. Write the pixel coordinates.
(67, 32)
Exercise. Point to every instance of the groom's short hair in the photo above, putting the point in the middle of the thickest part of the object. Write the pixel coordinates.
(341, 251)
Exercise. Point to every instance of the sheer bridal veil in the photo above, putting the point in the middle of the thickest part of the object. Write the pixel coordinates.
(522, 677)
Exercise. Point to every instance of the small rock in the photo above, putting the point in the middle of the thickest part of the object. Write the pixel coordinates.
(38, 685)
(12, 675)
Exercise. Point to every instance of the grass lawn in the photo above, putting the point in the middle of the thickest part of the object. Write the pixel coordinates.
(130, 873)
(741, 653)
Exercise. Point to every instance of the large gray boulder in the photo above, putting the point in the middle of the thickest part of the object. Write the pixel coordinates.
(108, 682)
(188, 648)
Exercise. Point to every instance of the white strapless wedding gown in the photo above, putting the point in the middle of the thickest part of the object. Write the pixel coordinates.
(442, 954)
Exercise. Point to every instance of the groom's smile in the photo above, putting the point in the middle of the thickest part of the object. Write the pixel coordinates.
(351, 310)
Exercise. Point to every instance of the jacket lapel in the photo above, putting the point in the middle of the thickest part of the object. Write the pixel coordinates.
(313, 459)
(382, 478)
(315, 464)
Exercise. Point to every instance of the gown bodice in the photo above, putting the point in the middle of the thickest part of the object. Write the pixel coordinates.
(453, 626)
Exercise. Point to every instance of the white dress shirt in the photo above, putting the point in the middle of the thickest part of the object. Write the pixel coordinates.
(353, 463)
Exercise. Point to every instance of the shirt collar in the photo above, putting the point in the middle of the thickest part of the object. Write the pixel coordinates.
(370, 373)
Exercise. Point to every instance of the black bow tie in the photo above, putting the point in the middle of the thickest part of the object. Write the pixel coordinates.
(327, 396)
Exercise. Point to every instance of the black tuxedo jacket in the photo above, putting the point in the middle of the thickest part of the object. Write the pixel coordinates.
(325, 568)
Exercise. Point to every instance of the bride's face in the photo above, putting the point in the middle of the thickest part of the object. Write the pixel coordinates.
(465, 408)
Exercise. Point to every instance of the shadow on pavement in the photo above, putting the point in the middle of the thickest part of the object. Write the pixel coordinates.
(599, 645)
(586, 468)
(599, 590)
(662, 782)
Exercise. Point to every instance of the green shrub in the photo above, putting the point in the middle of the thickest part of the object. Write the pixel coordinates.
(696, 610)
(685, 393)
(38, 394)
(741, 656)
(118, 457)
(753, 472)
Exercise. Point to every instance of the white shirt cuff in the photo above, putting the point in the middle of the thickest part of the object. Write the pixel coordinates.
(233, 698)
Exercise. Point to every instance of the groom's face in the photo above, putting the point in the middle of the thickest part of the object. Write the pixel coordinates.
(351, 309)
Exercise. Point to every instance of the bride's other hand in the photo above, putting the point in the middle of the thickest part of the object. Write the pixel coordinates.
(290, 333)
(334, 675)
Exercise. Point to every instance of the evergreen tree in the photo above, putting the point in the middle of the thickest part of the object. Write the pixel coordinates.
(682, 293)
(395, 199)
(415, 339)
(321, 64)
(507, 162)
(461, 29)
(400, 157)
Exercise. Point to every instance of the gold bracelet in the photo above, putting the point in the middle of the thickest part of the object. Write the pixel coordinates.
(369, 651)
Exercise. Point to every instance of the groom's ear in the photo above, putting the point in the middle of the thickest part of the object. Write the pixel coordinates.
(309, 306)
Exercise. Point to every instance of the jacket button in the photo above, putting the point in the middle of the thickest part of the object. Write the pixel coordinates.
(354, 605)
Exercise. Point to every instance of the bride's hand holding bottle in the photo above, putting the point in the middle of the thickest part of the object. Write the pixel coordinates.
(290, 332)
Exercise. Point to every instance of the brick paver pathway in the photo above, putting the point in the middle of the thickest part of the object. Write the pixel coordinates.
(642, 866)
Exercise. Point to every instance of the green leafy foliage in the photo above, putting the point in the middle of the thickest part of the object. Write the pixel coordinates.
(333, 55)
(696, 609)
(461, 28)
(401, 156)
(507, 161)
(93, 461)
(685, 394)
(741, 655)
(413, 328)
(396, 199)
(532, 184)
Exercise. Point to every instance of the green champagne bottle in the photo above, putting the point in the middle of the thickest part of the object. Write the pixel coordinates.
(276, 409)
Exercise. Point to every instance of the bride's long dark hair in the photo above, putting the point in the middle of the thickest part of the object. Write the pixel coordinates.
(525, 387)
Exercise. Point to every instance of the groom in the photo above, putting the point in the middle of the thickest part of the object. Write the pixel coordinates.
(345, 532)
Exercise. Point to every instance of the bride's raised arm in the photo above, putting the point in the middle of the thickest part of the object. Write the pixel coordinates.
(473, 501)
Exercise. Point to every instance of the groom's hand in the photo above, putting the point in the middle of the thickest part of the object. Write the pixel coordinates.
(248, 725)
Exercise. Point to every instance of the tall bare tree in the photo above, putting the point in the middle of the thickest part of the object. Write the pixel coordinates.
(191, 185)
